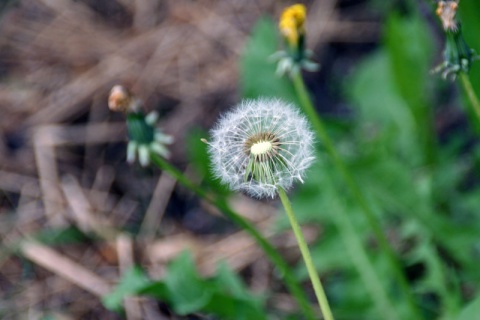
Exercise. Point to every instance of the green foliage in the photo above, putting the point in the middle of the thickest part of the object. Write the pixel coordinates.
(61, 236)
(132, 282)
(257, 72)
(468, 12)
(186, 292)
(409, 49)
(471, 311)
(416, 185)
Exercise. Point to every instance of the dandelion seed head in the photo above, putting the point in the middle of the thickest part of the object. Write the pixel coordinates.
(261, 145)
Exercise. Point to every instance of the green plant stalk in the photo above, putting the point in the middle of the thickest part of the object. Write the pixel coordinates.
(357, 194)
(269, 250)
(307, 257)
(474, 102)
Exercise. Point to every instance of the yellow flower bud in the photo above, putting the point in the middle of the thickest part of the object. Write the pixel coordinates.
(291, 23)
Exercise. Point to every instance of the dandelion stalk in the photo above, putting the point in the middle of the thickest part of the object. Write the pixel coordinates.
(458, 56)
(319, 127)
(269, 250)
(307, 257)
(262, 147)
(474, 102)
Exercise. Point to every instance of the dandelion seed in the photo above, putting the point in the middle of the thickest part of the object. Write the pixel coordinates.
(260, 146)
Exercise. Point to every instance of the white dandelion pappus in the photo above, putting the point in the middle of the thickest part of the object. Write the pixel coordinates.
(260, 146)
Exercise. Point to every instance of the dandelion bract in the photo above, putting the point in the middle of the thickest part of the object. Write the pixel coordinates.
(261, 145)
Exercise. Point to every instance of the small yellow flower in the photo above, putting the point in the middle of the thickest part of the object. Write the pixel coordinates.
(292, 23)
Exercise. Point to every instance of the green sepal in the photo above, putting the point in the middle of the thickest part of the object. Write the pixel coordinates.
(138, 129)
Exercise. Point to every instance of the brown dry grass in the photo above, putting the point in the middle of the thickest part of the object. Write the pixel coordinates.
(62, 152)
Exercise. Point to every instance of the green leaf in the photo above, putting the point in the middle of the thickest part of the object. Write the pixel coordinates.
(156, 289)
(234, 308)
(227, 281)
(187, 291)
(471, 311)
(257, 72)
(373, 90)
(68, 235)
(409, 48)
(132, 281)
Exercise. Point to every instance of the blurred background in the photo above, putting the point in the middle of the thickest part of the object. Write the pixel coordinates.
(64, 180)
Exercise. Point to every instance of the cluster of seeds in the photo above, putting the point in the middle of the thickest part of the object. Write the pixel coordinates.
(261, 145)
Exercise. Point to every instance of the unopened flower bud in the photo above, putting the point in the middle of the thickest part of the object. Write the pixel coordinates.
(295, 56)
(144, 137)
(121, 100)
(291, 24)
(446, 11)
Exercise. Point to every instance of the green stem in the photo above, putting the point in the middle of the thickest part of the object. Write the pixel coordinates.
(467, 85)
(269, 250)
(357, 194)
(307, 257)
